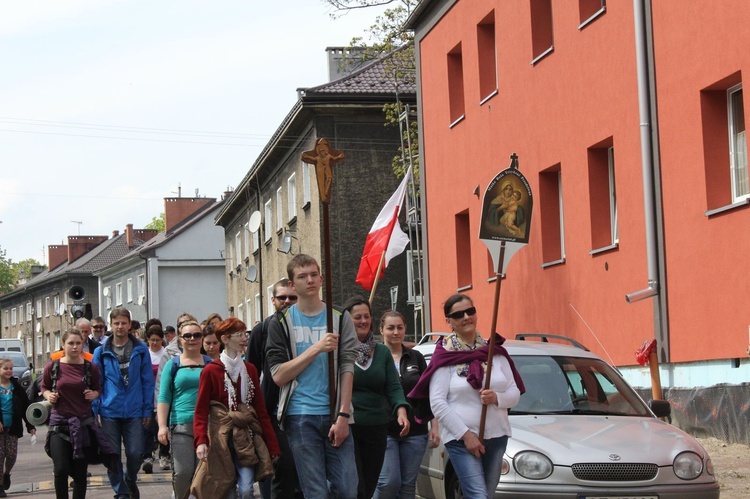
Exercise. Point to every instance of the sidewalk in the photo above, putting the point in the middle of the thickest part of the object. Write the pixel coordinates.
(32, 475)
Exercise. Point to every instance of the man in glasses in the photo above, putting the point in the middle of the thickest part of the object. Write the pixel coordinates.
(284, 482)
(85, 327)
(99, 328)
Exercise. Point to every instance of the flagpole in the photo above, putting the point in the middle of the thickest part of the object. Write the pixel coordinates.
(377, 276)
(491, 353)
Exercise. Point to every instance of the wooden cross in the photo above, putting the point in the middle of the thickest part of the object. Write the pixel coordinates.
(323, 157)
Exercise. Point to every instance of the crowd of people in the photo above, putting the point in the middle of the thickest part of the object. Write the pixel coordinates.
(289, 405)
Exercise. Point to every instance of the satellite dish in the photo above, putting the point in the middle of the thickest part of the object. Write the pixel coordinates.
(38, 327)
(61, 310)
(286, 243)
(105, 291)
(252, 273)
(254, 224)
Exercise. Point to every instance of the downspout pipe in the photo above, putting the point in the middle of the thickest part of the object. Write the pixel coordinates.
(644, 111)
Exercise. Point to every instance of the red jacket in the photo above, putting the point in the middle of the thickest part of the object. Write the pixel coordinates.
(211, 387)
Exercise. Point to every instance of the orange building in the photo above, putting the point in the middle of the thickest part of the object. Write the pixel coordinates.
(628, 122)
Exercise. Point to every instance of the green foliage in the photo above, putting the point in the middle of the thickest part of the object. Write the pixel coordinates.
(11, 272)
(157, 223)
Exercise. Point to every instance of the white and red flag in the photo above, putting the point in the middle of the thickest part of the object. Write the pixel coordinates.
(386, 239)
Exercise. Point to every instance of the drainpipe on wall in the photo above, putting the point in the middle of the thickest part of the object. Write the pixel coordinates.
(644, 111)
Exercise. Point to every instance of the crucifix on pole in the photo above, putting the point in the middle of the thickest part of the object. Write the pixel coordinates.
(324, 157)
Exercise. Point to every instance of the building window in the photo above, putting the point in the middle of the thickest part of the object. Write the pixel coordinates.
(269, 220)
(291, 196)
(129, 289)
(118, 294)
(306, 189)
(56, 304)
(20, 314)
(13, 316)
(413, 276)
(269, 304)
(487, 57)
(456, 85)
(256, 240)
(737, 144)
(602, 196)
(39, 309)
(230, 255)
(541, 29)
(248, 235)
(7, 319)
(238, 249)
(46, 306)
(141, 288)
(463, 250)
(552, 219)
(248, 307)
(241, 313)
(57, 341)
(588, 10)
(29, 312)
(39, 346)
(258, 309)
(279, 214)
(724, 144)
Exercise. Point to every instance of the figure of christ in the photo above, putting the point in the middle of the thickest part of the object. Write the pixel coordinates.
(323, 157)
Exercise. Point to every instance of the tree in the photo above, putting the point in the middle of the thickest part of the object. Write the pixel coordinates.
(388, 36)
(157, 223)
(23, 268)
(7, 276)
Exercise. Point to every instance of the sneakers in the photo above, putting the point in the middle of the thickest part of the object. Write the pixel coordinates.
(148, 466)
(133, 489)
(164, 463)
(6, 481)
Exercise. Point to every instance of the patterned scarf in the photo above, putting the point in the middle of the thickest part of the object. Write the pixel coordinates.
(365, 349)
(454, 343)
(234, 369)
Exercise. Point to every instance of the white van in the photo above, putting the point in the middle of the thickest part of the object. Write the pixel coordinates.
(11, 345)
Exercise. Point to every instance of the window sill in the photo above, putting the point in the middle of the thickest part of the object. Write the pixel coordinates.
(463, 288)
(279, 231)
(553, 263)
(457, 121)
(604, 249)
(306, 206)
(491, 95)
(267, 242)
(494, 278)
(542, 55)
(291, 221)
(591, 19)
(733, 206)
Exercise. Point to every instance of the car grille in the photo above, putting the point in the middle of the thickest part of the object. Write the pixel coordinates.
(614, 472)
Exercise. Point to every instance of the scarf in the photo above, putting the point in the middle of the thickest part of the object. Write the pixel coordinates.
(365, 349)
(234, 369)
(454, 343)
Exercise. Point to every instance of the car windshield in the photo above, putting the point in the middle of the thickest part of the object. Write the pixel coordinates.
(574, 385)
(18, 359)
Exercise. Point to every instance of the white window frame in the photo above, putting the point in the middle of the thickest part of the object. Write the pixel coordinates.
(29, 312)
(249, 309)
(306, 189)
(39, 308)
(279, 211)
(256, 240)
(268, 215)
(129, 289)
(13, 316)
(258, 305)
(270, 309)
(118, 294)
(46, 306)
(737, 147)
(7, 319)
(29, 345)
(238, 249)
(57, 341)
(141, 286)
(291, 196)
(55, 304)
(411, 296)
(241, 313)
(248, 235)
(20, 314)
(615, 235)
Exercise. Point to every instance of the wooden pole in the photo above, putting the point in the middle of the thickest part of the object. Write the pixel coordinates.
(496, 303)
(329, 308)
(377, 277)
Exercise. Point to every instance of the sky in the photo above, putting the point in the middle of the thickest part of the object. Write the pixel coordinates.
(109, 106)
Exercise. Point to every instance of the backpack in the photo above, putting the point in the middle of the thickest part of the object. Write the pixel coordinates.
(175, 366)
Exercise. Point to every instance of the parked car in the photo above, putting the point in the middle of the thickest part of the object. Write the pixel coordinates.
(580, 431)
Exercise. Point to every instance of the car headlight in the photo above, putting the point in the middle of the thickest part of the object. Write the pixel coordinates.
(533, 465)
(687, 465)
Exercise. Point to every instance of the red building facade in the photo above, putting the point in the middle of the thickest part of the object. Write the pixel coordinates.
(628, 121)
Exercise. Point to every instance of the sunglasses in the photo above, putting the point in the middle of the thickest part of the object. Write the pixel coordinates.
(460, 314)
(192, 336)
(97, 327)
(286, 297)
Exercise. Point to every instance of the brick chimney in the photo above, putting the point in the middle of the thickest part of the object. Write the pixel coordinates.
(178, 209)
(57, 255)
(80, 245)
(129, 235)
(145, 234)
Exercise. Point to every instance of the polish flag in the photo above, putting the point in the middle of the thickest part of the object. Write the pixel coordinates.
(385, 236)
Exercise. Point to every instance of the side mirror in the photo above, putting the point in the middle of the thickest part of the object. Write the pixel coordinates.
(661, 408)
(31, 367)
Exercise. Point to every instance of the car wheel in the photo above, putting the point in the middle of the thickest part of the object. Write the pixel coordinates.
(452, 487)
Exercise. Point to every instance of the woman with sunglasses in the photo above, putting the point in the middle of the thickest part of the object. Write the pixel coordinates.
(234, 438)
(455, 380)
(176, 407)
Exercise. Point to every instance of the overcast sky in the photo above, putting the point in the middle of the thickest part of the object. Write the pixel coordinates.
(106, 106)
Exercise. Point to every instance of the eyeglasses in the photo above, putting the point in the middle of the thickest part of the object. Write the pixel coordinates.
(286, 297)
(98, 327)
(192, 336)
(240, 335)
(460, 314)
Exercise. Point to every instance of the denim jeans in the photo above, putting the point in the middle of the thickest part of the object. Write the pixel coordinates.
(184, 460)
(398, 476)
(478, 476)
(308, 439)
(130, 432)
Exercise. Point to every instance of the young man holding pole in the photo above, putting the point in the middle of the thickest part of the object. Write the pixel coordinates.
(299, 341)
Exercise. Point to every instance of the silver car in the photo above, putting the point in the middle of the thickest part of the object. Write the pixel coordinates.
(581, 432)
